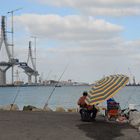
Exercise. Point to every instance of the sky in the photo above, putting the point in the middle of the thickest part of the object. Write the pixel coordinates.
(94, 38)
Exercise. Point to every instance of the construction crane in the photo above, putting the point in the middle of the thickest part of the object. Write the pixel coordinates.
(12, 32)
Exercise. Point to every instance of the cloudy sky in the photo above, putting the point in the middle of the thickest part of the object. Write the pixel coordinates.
(93, 37)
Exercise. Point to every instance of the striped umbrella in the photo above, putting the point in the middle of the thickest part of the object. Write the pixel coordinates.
(106, 88)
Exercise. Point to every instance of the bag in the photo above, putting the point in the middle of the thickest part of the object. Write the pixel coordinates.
(85, 114)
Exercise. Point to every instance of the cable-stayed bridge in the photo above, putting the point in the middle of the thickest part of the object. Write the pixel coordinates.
(11, 62)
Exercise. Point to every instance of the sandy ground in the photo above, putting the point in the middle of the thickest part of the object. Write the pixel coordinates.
(60, 126)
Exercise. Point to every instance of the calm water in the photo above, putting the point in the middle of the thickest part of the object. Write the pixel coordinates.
(63, 96)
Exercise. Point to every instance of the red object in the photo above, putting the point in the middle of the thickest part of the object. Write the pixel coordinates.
(113, 112)
(81, 101)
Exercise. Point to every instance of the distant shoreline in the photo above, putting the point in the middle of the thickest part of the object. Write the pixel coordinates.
(8, 85)
(134, 85)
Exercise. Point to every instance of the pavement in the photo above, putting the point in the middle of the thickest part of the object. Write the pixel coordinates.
(21, 125)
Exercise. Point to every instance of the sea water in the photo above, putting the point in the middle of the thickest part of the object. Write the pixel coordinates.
(65, 96)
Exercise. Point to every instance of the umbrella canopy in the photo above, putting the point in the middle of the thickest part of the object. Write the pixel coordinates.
(106, 88)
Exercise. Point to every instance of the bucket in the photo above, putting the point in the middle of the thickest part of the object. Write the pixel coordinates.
(132, 106)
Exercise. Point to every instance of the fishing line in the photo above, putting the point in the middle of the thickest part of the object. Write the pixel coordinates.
(130, 71)
(131, 94)
(127, 101)
(46, 104)
(49, 74)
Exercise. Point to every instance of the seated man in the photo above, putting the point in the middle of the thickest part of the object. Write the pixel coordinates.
(81, 102)
(91, 109)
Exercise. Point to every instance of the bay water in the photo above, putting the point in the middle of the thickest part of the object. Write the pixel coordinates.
(65, 96)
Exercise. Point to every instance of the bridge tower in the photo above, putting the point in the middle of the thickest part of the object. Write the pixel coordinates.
(33, 65)
(29, 70)
(5, 65)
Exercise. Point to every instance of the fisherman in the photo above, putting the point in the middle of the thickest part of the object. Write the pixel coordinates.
(91, 109)
(81, 101)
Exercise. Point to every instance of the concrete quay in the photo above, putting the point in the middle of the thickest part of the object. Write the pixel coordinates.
(24, 125)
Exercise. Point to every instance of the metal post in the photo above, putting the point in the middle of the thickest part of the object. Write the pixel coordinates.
(12, 31)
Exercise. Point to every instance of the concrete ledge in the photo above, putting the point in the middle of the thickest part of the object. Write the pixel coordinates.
(60, 109)
(72, 110)
(9, 107)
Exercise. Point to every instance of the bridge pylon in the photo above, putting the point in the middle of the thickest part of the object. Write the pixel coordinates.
(29, 70)
(5, 65)
(33, 65)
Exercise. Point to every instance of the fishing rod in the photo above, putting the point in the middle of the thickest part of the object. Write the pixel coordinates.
(18, 91)
(46, 104)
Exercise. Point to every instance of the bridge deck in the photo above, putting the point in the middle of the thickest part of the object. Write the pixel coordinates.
(27, 69)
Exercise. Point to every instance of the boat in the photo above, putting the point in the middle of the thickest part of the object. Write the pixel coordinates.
(58, 86)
